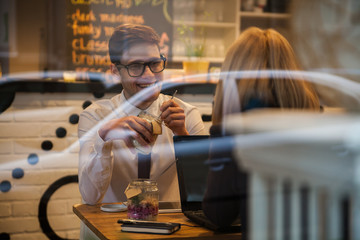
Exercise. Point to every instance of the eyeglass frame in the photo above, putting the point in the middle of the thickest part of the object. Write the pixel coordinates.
(162, 57)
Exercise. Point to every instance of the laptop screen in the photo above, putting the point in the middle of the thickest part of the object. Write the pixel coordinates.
(191, 152)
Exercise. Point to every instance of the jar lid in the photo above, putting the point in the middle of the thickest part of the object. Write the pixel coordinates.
(135, 186)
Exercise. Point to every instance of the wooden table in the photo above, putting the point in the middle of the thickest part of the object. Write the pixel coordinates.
(105, 226)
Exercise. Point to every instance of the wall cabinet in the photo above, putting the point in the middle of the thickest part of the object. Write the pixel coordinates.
(221, 21)
(278, 21)
(213, 20)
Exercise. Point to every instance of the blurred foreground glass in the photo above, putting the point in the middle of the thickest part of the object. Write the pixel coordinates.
(142, 199)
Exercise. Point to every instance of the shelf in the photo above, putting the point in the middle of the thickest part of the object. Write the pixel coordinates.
(219, 34)
(263, 15)
(205, 24)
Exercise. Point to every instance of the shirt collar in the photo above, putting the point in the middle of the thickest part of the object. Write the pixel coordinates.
(131, 110)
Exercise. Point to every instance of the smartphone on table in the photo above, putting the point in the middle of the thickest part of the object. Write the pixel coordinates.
(148, 226)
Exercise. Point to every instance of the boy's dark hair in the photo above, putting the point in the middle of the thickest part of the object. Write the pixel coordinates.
(126, 35)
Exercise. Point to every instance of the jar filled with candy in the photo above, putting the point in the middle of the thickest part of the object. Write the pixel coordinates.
(142, 199)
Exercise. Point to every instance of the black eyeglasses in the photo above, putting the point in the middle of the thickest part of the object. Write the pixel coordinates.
(138, 69)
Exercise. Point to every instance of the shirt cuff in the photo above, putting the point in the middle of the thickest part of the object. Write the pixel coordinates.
(102, 147)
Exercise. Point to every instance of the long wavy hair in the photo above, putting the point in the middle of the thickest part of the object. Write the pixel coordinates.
(256, 50)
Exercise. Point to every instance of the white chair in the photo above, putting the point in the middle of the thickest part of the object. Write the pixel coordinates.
(304, 173)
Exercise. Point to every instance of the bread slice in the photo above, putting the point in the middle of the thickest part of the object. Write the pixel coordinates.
(156, 126)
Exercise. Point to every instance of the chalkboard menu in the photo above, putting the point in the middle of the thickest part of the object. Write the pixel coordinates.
(90, 23)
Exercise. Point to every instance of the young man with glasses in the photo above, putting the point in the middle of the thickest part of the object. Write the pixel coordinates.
(109, 128)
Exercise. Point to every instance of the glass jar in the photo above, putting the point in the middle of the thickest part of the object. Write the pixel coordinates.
(156, 130)
(142, 200)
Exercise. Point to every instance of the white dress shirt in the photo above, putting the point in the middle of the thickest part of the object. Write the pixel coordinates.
(106, 168)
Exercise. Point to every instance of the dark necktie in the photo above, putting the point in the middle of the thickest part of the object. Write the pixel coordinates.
(144, 165)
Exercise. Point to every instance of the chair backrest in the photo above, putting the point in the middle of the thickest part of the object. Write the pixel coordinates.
(303, 180)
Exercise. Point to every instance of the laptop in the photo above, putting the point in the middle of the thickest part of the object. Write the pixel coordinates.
(191, 153)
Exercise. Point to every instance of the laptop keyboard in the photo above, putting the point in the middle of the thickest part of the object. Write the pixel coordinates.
(200, 218)
(200, 214)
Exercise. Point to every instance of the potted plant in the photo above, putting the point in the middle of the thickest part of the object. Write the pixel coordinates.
(194, 50)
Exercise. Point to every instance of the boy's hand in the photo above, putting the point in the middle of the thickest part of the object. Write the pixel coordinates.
(174, 117)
